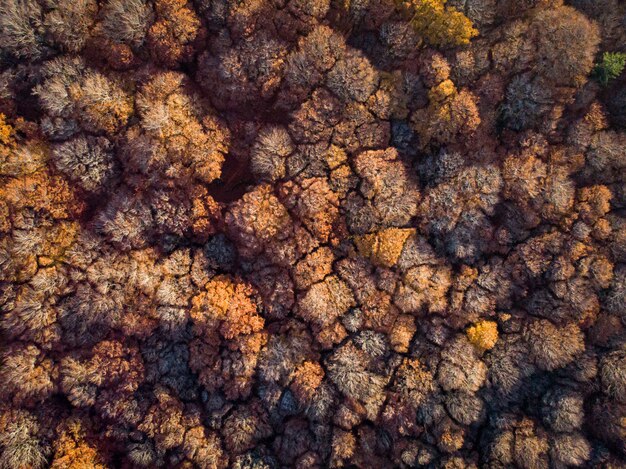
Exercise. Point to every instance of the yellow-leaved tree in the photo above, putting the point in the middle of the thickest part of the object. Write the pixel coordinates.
(438, 24)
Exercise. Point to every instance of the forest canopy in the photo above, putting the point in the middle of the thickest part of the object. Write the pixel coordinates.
(270, 234)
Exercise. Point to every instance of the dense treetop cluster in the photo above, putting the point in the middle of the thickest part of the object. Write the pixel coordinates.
(267, 234)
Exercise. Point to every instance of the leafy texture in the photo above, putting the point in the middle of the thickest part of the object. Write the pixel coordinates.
(270, 234)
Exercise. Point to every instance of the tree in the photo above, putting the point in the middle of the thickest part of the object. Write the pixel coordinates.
(610, 67)
(28, 375)
(353, 78)
(387, 195)
(457, 211)
(245, 427)
(100, 104)
(229, 336)
(460, 368)
(528, 102)
(173, 36)
(483, 335)
(115, 370)
(613, 375)
(271, 149)
(313, 204)
(412, 385)
(571, 449)
(324, 302)
(384, 247)
(251, 232)
(524, 445)
(313, 122)
(176, 137)
(608, 419)
(73, 448)
(126, 22)
(87, 161)
(306, 380)
(313, 268)
(348, 369)
(342, 447)
(249, 73)
(562, 410)
(204, 449)
(450, 116)
(439, 25)
(125, 221)
(553, 348)
(20, 441)
(21, 31)
(559, 30)
(164, 420)
(465, 408)
(70, 23)
(308, 64)
(73, 93)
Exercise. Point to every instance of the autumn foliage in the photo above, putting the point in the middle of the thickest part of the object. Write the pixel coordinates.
(267, 234)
